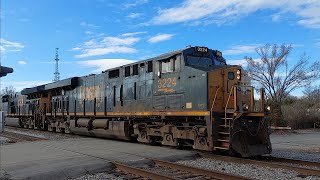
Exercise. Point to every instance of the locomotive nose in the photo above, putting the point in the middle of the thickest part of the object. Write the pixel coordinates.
(250, 137)
(239, 126)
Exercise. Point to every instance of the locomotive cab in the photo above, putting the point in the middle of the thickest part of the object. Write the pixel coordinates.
(238, 124)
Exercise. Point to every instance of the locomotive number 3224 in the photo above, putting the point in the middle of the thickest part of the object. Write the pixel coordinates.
(167, 82)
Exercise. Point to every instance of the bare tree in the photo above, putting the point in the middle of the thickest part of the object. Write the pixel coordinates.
(303, 110)
(276, 76)
(8, 90)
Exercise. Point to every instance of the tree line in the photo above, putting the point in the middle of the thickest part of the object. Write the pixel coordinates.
(280, 77)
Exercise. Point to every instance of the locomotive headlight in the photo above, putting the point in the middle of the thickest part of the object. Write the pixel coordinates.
(238, 77)
(238, 72)
(268, 108)
(245, 107)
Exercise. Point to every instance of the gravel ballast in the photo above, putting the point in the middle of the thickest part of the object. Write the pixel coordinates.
(41, 134)
(298, 155)
(246, 170)
(99, 176)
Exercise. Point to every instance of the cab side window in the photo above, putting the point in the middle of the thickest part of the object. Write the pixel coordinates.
(166, 66)
(171, 64)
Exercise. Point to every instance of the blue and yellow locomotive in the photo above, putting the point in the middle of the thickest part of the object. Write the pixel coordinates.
(188, 97)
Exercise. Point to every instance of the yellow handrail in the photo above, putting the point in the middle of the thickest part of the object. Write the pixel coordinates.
(225, 109)
(214, 100)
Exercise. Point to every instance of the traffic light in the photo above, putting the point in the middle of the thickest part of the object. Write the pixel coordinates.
(5, 70)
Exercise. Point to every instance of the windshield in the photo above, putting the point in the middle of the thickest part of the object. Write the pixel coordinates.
(199, 61)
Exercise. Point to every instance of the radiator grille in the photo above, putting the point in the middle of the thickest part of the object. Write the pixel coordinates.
(174, 101)
(159, 102)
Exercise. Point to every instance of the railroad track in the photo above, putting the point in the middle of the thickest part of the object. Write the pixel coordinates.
(273, 162)
(172, 171)
(291, 161)
(17, 137)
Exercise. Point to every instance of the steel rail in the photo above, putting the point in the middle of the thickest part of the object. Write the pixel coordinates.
(20, 137)
(195, 170)
(292, 161)
(15, 139)
(301, 170)
(141, 172)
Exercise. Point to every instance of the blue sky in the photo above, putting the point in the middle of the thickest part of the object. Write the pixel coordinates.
(93, 35)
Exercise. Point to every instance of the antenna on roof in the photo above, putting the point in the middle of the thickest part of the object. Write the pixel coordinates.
(56, 73)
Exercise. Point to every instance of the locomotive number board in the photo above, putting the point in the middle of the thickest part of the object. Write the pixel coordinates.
(202, 49)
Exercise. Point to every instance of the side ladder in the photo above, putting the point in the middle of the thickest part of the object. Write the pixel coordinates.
(223, 138)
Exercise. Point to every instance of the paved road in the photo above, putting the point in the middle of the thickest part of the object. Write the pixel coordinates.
(302, 140)
(73, 157)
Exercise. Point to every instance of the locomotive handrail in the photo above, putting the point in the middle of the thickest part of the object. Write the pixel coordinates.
(226, 107)
(214, 100)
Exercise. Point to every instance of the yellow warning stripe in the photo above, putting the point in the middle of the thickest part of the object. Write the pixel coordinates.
(143, 113)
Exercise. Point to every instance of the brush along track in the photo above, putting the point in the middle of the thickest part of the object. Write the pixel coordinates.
(173, 171)
(275, 164)
(17, 137)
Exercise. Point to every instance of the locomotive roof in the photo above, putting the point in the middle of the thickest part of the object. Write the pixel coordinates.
(32, 90)
(62, 83)
(169, 54)
(70, 82)
(159, 57)
(73, 81)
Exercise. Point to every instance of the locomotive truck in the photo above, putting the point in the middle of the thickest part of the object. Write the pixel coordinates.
(188, 97)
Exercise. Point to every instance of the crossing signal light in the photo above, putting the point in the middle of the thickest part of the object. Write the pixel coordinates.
(5, 70)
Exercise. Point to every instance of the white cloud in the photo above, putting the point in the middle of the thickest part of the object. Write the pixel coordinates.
(20, 85)
(241, 62)
(105, 50)
(85, 24)
(134, 15)
(136, 3)
(115, 41)
(106, 45)
(160, 37)
(88, 32)
(317, 44)
(241, 49)
(22, 62)
(6, 45)
(104, 64)
(220, 12)
(276, 17)
(134, 33)
(53, 62)
(75, 49)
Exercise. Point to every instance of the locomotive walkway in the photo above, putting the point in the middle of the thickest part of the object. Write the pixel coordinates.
(69, 158)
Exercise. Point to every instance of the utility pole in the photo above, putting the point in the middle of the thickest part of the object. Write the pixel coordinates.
(56, 73)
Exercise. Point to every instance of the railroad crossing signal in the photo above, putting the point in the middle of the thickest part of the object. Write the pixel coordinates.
(5, 70)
